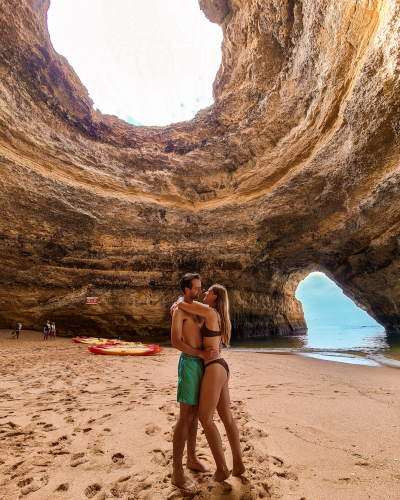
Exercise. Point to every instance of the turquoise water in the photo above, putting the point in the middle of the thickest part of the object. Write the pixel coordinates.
(338, 330)
(369, 344)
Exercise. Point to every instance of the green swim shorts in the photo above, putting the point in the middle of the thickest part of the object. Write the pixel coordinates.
(190, 375)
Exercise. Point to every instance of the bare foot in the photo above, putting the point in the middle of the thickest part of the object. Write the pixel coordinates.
(182, 481)
(220, 475)
(195, 464)
(239, 470)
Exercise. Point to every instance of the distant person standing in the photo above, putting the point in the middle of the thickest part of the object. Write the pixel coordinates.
(18, 328)
(46, 330)
(53, 330)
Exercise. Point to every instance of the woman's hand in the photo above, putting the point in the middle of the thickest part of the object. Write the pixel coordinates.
(175, 305)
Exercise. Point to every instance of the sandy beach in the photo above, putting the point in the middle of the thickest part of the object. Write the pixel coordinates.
(75, 426)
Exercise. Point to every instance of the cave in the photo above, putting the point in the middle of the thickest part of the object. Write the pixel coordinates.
(295, 167)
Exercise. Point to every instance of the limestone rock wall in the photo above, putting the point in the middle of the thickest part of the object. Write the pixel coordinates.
(294, 168)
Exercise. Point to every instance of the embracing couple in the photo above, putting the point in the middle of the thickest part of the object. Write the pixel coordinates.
(197, 331)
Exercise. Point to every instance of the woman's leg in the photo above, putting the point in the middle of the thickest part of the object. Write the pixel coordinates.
(224, 411)
(213, 380)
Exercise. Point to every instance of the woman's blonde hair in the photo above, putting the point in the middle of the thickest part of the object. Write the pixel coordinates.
(222, 307)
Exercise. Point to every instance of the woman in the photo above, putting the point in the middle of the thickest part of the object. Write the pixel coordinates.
(53, 330)
(214, 392)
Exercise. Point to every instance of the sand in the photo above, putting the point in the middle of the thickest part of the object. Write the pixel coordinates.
(75, 426)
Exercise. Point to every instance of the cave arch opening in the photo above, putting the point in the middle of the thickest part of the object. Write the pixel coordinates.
(149, 63)
(325, 304)
(334, 321)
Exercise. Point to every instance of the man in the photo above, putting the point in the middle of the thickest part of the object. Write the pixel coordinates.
(186, 337)
(46, 330)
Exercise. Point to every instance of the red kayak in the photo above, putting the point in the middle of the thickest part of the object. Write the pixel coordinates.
(125, 350)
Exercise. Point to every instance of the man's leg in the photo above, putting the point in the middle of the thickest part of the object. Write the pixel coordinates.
(179, 478)
(193, 462)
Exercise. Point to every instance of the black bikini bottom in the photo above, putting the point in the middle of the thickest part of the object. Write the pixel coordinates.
(221, 362)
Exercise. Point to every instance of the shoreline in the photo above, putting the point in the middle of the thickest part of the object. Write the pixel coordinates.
(377, 359)
(335, 355)
(77, 425)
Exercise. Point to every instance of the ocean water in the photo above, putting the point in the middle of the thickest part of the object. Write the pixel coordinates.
(364, 344)
(338, 330)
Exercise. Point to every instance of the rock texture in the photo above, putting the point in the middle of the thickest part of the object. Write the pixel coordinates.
(294, 168)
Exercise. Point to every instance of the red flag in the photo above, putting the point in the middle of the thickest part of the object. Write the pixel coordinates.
(91, 300)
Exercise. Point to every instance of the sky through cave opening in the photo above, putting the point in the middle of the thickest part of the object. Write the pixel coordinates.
(149, 63)
(325, 304)
(334, 321)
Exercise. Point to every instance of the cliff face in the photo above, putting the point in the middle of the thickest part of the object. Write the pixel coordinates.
(294, 168)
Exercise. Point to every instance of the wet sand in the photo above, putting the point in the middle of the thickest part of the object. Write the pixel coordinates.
(75, 426)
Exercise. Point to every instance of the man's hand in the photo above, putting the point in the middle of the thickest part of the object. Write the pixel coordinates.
(175, 305)
(208, 354)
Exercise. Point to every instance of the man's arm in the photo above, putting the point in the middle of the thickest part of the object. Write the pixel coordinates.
(177, 342)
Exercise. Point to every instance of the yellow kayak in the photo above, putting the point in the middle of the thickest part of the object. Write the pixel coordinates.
(125, 350)
(97, 341)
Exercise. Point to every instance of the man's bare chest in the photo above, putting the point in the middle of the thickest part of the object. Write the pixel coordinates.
(193, 321)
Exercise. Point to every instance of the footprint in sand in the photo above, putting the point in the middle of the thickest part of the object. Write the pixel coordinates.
(118, 458)
(120, 487)
(248, 450)
(92, 490)
(254, 433)
(163, 458)
(78, 459)
(152, 429)
(62, 487)
(263, 490)
(170, 410)
(49, 427)
(25, 482)
(29, 485)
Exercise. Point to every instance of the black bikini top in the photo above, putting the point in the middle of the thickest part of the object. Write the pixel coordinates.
(205, 332)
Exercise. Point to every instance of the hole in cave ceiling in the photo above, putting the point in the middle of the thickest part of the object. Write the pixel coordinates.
(149, 63)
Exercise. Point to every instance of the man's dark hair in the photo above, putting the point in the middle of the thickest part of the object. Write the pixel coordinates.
(186, 281)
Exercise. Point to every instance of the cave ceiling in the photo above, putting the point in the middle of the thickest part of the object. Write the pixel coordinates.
(294, 168)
